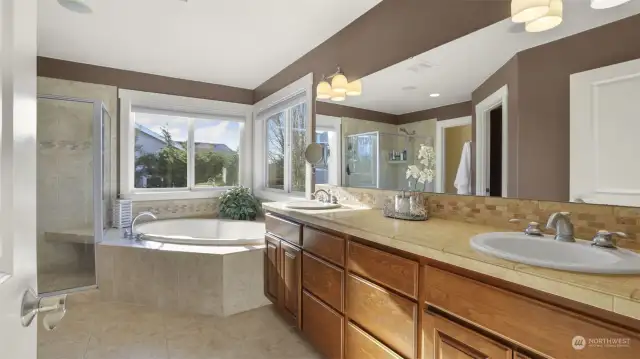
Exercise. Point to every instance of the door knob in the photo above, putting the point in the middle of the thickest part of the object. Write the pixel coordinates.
(53, 308)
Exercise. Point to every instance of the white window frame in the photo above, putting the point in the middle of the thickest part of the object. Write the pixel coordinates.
(262, 111)
(198, 108)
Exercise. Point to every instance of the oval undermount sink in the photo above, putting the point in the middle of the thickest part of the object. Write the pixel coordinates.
(580, 256)
(311, 205)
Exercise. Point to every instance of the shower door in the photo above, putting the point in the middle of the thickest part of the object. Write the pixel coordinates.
(361, 160)
(72, 200)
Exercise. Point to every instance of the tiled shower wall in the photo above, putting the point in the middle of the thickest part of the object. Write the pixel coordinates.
(65, 162)
(496, 212)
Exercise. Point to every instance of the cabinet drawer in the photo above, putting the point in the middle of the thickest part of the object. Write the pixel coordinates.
(390, 270)
(324, 280)
(284, 229)
(444, 339)
(392, 319)
(322, 326)
(361, 345)
(541, 327)
(324, 245)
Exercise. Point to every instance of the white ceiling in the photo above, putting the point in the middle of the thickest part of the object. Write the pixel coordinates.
(457, 68)
(230, 42)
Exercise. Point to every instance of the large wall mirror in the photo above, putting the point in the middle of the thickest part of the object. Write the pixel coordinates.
(500, 112)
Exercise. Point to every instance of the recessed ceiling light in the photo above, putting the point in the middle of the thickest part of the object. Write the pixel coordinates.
(435, 95)
(409, 88)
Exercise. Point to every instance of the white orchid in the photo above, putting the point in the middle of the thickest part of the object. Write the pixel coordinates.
(427, 157)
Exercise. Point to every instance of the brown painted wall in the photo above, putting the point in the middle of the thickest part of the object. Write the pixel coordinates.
(544, 90)
(442, 113)
(332, 109)
(506, 75)
(131, 80)
(391, 32)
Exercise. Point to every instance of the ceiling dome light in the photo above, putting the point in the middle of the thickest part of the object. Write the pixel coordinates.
(528, 10)
(605, 4)
(338, 96)
(339, 83)
(354, 88)
(434, 95)
(552, 19)
(323, 90)
(79, 6)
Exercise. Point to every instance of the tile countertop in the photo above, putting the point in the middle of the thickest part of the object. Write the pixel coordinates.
(448, 241)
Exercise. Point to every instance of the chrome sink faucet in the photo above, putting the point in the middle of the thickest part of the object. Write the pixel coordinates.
(130, 231)
(561, 222)
(328, 196)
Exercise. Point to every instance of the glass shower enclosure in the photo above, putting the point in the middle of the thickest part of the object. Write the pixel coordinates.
(73, 194)
(379, 160)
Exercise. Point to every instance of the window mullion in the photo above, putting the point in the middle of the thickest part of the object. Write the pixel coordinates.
(287, 151)
(191, 158)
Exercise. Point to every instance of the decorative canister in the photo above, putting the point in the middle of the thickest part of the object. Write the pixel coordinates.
(402, 202)
(406, 205)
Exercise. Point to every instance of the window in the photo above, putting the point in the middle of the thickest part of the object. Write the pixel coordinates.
(285, 145)
(179, 150)
(322, 169)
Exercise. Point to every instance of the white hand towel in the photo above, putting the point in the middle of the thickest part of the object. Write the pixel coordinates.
(463, 177)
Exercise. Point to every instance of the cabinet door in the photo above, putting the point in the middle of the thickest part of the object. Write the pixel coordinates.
(271, 268)
(290, 270)
(322, 326)
(444, 339)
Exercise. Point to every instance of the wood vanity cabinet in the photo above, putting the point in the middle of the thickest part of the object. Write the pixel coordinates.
(290, 280)
(444, 339)
(283, 266)
(271, 268)
(353, 300)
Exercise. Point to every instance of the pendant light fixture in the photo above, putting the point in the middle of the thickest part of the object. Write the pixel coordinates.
(605, 4)
(528, 10)
(323, 90)
(339, 88)
(354, 88)
(338, 96)
(339, 82)
(550, 20)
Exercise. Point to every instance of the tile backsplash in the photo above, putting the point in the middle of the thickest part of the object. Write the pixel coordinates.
(205, 207)
(587, 218)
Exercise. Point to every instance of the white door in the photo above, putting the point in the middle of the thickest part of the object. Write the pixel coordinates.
(18, 20)
(605, 130)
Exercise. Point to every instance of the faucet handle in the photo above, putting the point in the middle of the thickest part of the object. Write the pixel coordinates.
(533, 229)
(606, 239)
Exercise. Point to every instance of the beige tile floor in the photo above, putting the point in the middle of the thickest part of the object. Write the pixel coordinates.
(123, 331)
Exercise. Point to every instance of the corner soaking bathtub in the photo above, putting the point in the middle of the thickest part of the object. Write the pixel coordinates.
(203, 232)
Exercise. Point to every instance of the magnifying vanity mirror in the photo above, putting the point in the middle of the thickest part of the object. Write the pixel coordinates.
(314, 153)
(500, 113)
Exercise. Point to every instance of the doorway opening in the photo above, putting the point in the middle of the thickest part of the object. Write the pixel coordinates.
(451, 136)
(491, 144)
(495, 153)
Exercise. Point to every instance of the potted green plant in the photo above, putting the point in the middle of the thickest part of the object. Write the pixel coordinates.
(239, 203)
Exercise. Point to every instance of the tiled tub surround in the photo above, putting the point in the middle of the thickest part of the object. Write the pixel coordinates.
(210, 280)
(447, 241)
